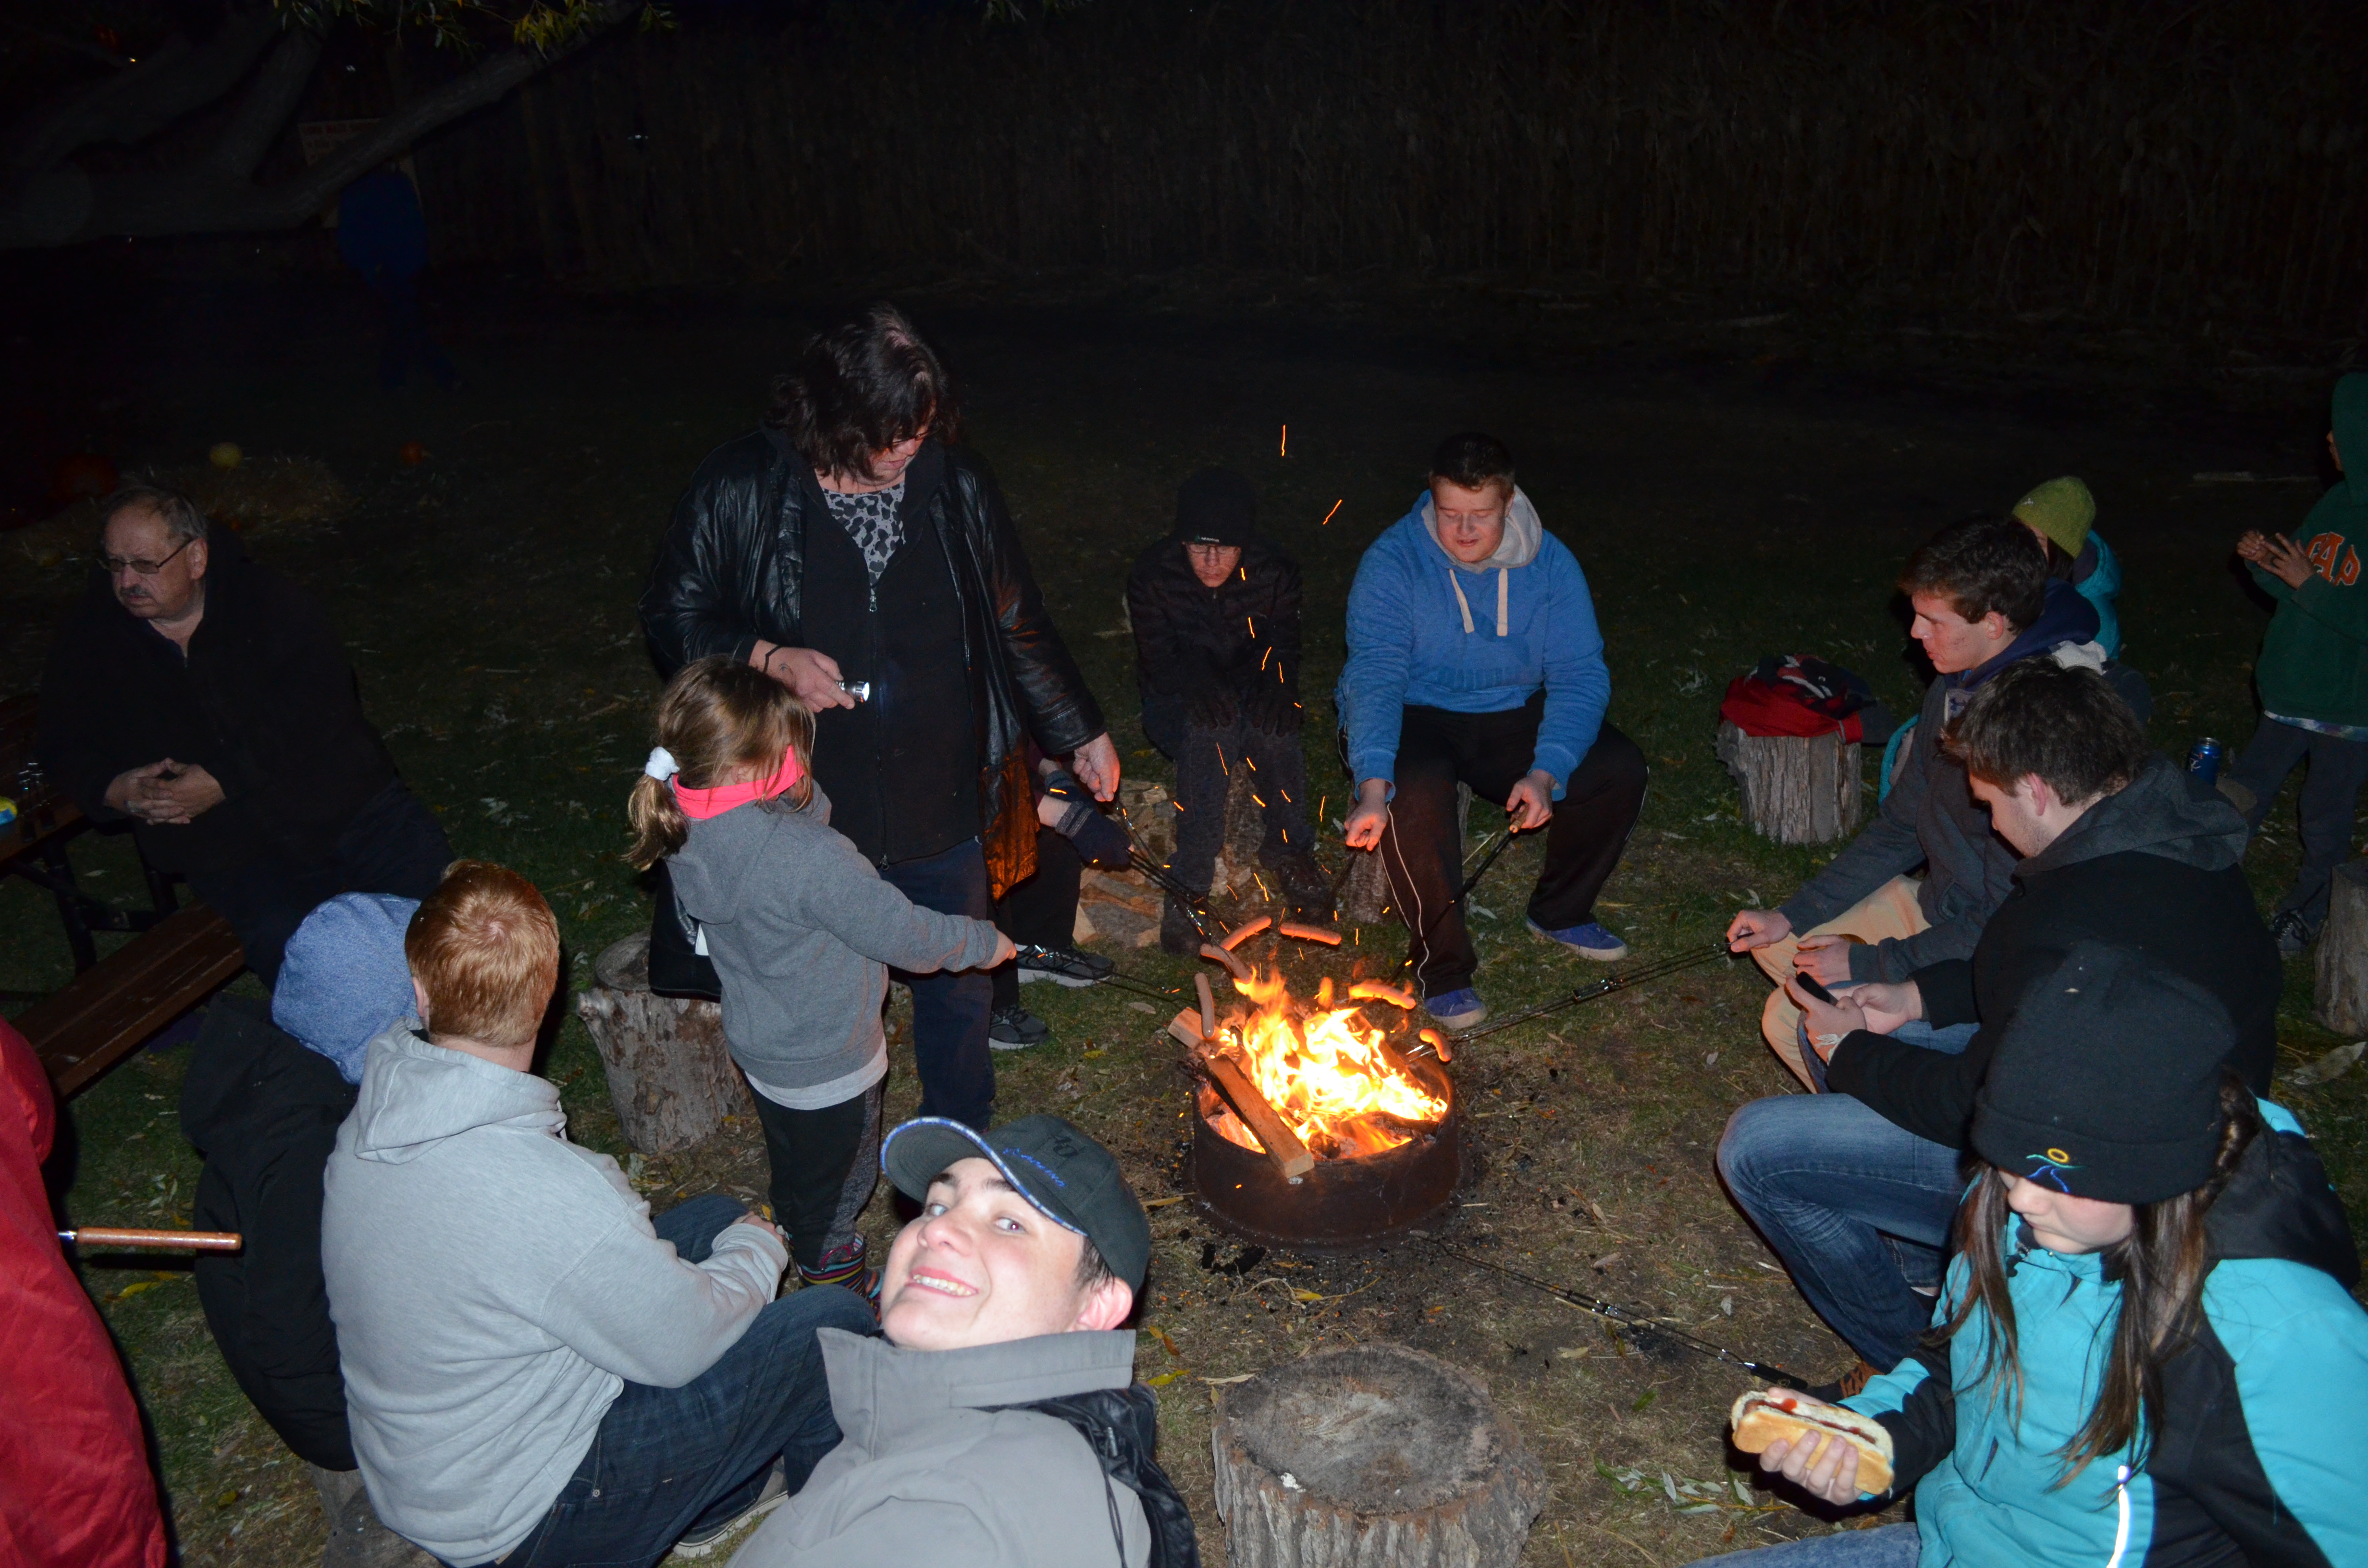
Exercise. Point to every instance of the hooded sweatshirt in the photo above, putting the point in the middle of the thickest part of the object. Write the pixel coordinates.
(1427, 630)
(493, 1287)
(2260, 1451)
(2157, 866)
(801, 929)
(932, 1470)
(2313, 664)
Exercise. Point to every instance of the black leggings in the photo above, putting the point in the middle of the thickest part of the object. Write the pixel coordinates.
(824, 1164)
(1422, 853)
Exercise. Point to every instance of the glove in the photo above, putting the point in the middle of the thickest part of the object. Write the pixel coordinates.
(1273, 710)
(1214, 709)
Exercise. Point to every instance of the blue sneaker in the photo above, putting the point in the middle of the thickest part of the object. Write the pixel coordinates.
(1458, 1009)
(1589, 941)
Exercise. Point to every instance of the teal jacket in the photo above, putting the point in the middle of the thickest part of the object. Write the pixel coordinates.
(2262, 1453)
(2314, 661)
(2100, 587)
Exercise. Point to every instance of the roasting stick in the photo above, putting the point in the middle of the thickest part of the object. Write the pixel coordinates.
(1497, 845)
(1657, 970)
(173, 1240)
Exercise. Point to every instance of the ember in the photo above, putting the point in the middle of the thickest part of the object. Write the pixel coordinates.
(1332, 1077)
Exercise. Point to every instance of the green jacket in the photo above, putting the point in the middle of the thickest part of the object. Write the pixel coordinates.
(2314, 655)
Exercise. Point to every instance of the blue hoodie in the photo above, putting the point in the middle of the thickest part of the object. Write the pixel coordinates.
(1427, 630)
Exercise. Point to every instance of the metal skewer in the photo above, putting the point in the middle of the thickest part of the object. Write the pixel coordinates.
(172, 1241)
(1657, 970)
(1421, 946)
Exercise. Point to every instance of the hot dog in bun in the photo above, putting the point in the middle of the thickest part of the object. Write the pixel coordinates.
(1762, 1416)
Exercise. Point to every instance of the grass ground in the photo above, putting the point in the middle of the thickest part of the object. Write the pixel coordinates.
(1725, 502)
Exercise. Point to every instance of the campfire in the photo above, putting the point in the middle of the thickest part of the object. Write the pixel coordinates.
(1327, 1074)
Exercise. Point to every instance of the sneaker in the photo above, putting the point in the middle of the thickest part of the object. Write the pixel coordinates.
(702, 1542)
(1304, 885)
(1850, 1383)
(1062, 966)
(2292, 932)
(1015, 1028)
(1589, 941)
(1457, 1009)
(846, 1265)
(1178, 935)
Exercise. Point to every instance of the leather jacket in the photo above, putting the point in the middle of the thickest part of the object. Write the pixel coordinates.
(731, 572)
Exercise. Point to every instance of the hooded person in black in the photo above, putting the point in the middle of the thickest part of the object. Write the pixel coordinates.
(1216, 612)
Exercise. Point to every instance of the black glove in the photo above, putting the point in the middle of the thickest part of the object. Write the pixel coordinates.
(1273, 710)
(1211, 709)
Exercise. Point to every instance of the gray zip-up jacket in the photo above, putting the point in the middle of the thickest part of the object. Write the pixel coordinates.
(801, 929)
(493, 1285)
(931, 1472)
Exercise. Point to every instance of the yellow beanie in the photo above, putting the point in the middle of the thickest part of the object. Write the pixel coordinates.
(2062, 510)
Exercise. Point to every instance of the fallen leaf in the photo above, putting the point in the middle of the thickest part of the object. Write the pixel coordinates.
(1237, 1377)
(1145, 1007)
(1606, 1261)
(1160, 1333)
(1307, 1295)
(2329, 1067)
(1164, 1379)
(1160, 1202)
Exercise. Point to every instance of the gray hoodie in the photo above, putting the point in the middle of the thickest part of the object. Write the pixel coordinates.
(493, 1287)
(800, 927)
(930, 1472)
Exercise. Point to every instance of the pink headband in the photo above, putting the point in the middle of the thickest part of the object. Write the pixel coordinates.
(701, 804)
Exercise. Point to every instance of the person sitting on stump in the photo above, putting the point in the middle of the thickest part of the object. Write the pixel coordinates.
(206, 700)
(1473, 658)
(1215, 611)
(536, 1373)
(1983, 602)
(1003, 1314)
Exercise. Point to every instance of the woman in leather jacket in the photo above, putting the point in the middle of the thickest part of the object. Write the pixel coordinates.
(847, 550)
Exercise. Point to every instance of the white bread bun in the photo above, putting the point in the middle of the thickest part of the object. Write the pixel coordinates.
(1760, 1420)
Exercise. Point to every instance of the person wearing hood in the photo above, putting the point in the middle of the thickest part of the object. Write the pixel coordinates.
(535, 1371)
(2313, 678)
(2147, 1354)
(1854, 1187)
(997, 1420)
(2062, 515)
(205, 700)
(1473, 658)
(1215, 613)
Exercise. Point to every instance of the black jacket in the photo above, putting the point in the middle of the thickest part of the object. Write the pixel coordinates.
(1227, 652)
(263, 1112)
(2157, 865)
(733, 571)
(265, 701)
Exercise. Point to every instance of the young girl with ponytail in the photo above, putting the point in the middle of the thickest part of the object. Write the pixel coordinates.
(801, 931)
(2147, 1351)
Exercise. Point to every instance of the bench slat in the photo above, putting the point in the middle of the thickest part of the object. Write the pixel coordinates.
(108, 1012)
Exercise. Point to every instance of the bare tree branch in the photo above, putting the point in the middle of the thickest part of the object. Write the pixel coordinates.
(139, 101)
(269, 102)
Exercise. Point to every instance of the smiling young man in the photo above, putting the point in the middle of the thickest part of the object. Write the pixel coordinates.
(998, 1421)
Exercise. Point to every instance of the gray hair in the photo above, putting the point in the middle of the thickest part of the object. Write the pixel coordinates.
(181, 516)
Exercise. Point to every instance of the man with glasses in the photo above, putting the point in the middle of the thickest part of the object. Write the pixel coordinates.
(208, 701)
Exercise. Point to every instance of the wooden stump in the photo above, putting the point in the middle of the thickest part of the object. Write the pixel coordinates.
(1365, 896)
(2342, 960)
(1796, 789)
(1376, 1456)
(669, 1073)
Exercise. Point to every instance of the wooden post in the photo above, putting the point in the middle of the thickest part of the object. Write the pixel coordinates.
(1366, 893)
(1796, 789)
(669, 1073)
(1375, 1457)
(2341, 963)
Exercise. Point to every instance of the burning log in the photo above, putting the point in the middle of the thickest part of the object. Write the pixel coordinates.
(1311, 933)
(1374, 991)
(1281, 1144)
(1244, 932)
(1234, 966)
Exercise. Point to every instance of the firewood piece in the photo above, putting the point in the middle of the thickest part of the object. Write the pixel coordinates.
(1281, 1144)
(1372, 1457)
(1208, 1003)
(1796, 789)
(1186, 1027)
(1374, 991)
(1234, 966)
(1245, 931)
(670, 1074)
(1331, 938)
(2341, 964)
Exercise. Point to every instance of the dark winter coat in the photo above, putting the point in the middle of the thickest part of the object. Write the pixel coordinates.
(733, 570)
(2157, 865)
(263, 1112)
(265, 701)
(1222, 654)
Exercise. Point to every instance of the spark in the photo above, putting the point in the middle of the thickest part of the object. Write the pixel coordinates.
(1335, 506)
(1286, 442)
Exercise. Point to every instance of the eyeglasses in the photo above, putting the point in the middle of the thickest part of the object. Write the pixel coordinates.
(116, 565)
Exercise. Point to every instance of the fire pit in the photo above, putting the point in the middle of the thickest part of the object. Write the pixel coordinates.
(1366, 1142)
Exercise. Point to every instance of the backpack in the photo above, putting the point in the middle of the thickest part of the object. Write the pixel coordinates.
(1799, 694)
(1121, 1427)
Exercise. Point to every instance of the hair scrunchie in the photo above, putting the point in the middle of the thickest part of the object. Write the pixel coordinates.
(661, 765)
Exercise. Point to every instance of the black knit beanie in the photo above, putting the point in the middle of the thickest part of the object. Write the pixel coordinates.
(1216, 505)
(2107, 1084)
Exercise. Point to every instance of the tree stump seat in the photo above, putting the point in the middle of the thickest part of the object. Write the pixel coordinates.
(2340, 965)
(669, 1072)
(1796, 788)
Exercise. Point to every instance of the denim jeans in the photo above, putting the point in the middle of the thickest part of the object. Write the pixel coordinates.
(2323, 814)
(950, 1011)
(1885, 1546)
(1949, 1040)
(668, 1462)
(1859, 1209)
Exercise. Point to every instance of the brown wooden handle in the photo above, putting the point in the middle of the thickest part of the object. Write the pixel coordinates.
(177, 1241)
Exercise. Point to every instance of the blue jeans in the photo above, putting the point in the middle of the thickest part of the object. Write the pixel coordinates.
(1885, 1546)
(669, 1461)
(1949, 1040)
(1859, 1209)
(950, 1011)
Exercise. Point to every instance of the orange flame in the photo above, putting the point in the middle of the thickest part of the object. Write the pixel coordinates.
(1324, 1070)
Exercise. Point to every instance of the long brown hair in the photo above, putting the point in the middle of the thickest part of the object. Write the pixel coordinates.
(2162, 1266)
(718, 718)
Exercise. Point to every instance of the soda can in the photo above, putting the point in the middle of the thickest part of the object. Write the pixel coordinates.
(2204, 760)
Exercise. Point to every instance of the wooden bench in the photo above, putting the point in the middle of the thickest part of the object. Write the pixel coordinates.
(111, 1008)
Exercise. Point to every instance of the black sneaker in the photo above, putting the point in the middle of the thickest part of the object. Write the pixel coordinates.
(1304, 885)
(2292, 932)
(1062, 966)
(1178, 935)
(1015, 1028)
(776, 1493)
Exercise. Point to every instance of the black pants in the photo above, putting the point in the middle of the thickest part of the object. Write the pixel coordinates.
(1205, 762)
(824, 1164)
(394, 845)
(1040, 912)
(1422, 853)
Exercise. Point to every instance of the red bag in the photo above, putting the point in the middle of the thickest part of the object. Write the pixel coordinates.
(1796, 696)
